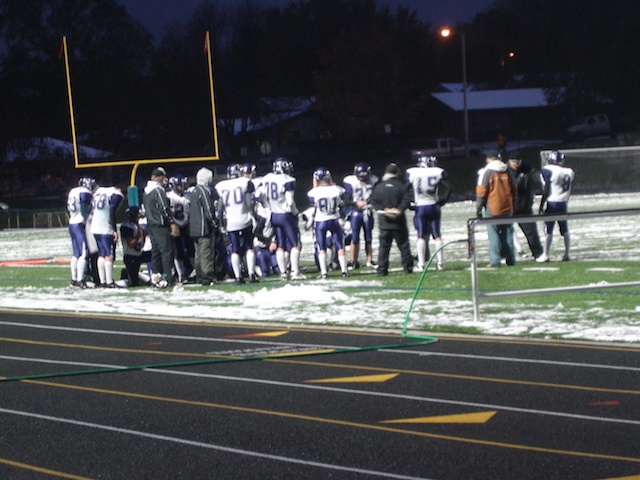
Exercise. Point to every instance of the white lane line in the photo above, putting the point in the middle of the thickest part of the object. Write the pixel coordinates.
(210, 446)
(342, 347)
(353, 392)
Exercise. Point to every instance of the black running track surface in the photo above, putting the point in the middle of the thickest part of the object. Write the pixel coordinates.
(121, 398)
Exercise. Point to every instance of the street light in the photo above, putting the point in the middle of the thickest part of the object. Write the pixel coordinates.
(446, 32)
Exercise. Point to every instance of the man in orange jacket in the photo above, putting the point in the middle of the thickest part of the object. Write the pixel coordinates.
(495, 192)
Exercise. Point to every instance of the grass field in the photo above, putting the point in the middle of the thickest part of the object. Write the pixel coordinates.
(604, 250)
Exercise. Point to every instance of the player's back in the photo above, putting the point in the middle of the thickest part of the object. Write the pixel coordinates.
(104, 199)
(274, 188)
(233, 193)
(424, 181)
(560, 179)
(328, 199)
(77, 196)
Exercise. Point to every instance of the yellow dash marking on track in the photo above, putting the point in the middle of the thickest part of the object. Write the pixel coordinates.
(481, 417)
(632, 477)
(345, 423)
(46, 471)
(359, 379)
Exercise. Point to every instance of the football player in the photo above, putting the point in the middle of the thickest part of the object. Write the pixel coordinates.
(430, 191)
(327, 200)
(235, 208)
(358, 189)
(133, 239)
(79, 208)
(103, 226)
(179, 204)
(278, 189)
(557, 180)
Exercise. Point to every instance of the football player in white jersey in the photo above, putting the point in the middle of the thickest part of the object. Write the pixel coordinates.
(358, 190)
(179, 204)
(103, 226)
(557, 180)
(278, 189)
(430, 191)
(79, 208)
(236, 209)
(327, 200)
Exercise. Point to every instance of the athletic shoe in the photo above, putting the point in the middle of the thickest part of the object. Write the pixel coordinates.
(298, 276)
(345, 274)
(353, 265)
(239, 281)
(372, 264)
(542, 258)
(523, 254)
(418, 268)
(253, 279)
(565, 258)
(440, 266)
(322, 276)
(155, 278)
(284, 276)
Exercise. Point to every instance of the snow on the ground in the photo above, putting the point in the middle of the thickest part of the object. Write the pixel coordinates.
(355, 303)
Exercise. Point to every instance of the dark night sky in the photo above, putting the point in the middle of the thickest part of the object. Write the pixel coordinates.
(155, 14)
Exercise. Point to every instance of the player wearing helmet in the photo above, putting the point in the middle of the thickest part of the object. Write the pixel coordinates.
(235, 209)
(358, 189)
(277, 195)
(133, 239)
(326, 200)
(79, 207)
(106, 201)
(430, 191)
(179, 205)
(557, 180)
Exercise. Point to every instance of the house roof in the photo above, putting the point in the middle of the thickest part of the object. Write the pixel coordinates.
(490, 99)
(36, 148)
(280, 110)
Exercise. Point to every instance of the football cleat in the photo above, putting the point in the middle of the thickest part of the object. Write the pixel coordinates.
(542, 258)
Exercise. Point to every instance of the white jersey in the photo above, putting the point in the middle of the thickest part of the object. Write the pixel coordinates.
(359, 190)
(105, 199)
(424, 181)
(277, 192)
(559, 179)
(233, 194)
(327, 200)
(179, 208)
(78, 196)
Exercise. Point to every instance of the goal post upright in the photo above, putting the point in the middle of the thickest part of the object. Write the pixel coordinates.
(135, 163)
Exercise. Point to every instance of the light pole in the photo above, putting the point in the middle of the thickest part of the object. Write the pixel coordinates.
(445, 33)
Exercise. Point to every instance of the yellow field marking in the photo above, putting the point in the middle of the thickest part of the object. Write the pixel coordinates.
(632, 477)
(330, 421)
(46, 471)
(459, 377)
(480, 417)
(359, 379)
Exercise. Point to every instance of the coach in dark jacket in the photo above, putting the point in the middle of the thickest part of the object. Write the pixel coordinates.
(528, 182)
(391, 196)
(203, 226)
(162, 228)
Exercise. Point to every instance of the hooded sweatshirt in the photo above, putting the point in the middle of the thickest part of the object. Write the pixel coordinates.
(496, 190)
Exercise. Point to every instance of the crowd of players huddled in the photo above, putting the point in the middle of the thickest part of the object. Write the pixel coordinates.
(246, 227)
(253, 227)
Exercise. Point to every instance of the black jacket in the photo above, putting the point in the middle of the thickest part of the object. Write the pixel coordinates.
(391, 192)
